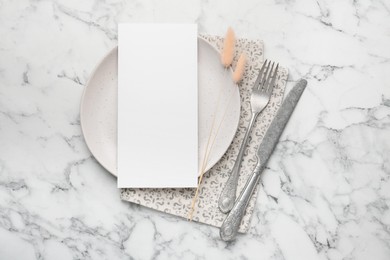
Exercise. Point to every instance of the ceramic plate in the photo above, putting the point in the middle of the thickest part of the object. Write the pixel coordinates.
(219, 106)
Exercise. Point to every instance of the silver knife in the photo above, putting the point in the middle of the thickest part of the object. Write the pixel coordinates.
(232, 222)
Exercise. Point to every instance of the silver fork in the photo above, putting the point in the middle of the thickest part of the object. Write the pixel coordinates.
(261, 94)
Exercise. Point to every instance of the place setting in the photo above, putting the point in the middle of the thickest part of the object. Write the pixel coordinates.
(186, 121)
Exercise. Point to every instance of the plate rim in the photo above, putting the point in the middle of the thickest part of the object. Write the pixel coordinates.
(92, 75)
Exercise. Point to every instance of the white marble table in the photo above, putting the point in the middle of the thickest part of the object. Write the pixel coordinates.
(325, 195)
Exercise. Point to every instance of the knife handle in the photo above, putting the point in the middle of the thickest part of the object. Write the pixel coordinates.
(232, 222)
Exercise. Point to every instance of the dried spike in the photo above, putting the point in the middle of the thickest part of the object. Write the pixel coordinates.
(227, 53)
(240, 68)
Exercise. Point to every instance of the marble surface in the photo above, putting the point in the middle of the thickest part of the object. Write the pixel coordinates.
(324, 195)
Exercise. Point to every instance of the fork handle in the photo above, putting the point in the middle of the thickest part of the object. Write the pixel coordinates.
(232, 222)
(228, 194)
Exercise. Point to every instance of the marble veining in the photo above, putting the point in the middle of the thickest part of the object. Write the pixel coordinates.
(324, 195)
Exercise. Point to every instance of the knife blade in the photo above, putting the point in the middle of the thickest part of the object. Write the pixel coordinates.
(232, 222)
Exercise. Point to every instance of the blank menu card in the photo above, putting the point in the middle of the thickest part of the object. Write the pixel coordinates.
(157, 106)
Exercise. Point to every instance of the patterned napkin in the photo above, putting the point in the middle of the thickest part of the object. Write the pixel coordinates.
(178, 201)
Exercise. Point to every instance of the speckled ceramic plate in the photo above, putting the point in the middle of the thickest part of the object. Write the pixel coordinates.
(219, 105)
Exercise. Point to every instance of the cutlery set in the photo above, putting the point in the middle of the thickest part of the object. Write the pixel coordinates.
(261, 93)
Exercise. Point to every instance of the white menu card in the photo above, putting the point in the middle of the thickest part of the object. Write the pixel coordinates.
(157, 106)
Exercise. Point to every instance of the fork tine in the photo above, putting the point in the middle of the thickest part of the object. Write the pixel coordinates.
(268, 77)
(264, 79)
(260, 76)
(274, 76)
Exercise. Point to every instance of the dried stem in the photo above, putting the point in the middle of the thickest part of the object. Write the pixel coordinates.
(205, 158)
(227, 56)
(223, 119)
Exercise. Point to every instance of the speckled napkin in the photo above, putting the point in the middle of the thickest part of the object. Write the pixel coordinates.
(178, 201)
